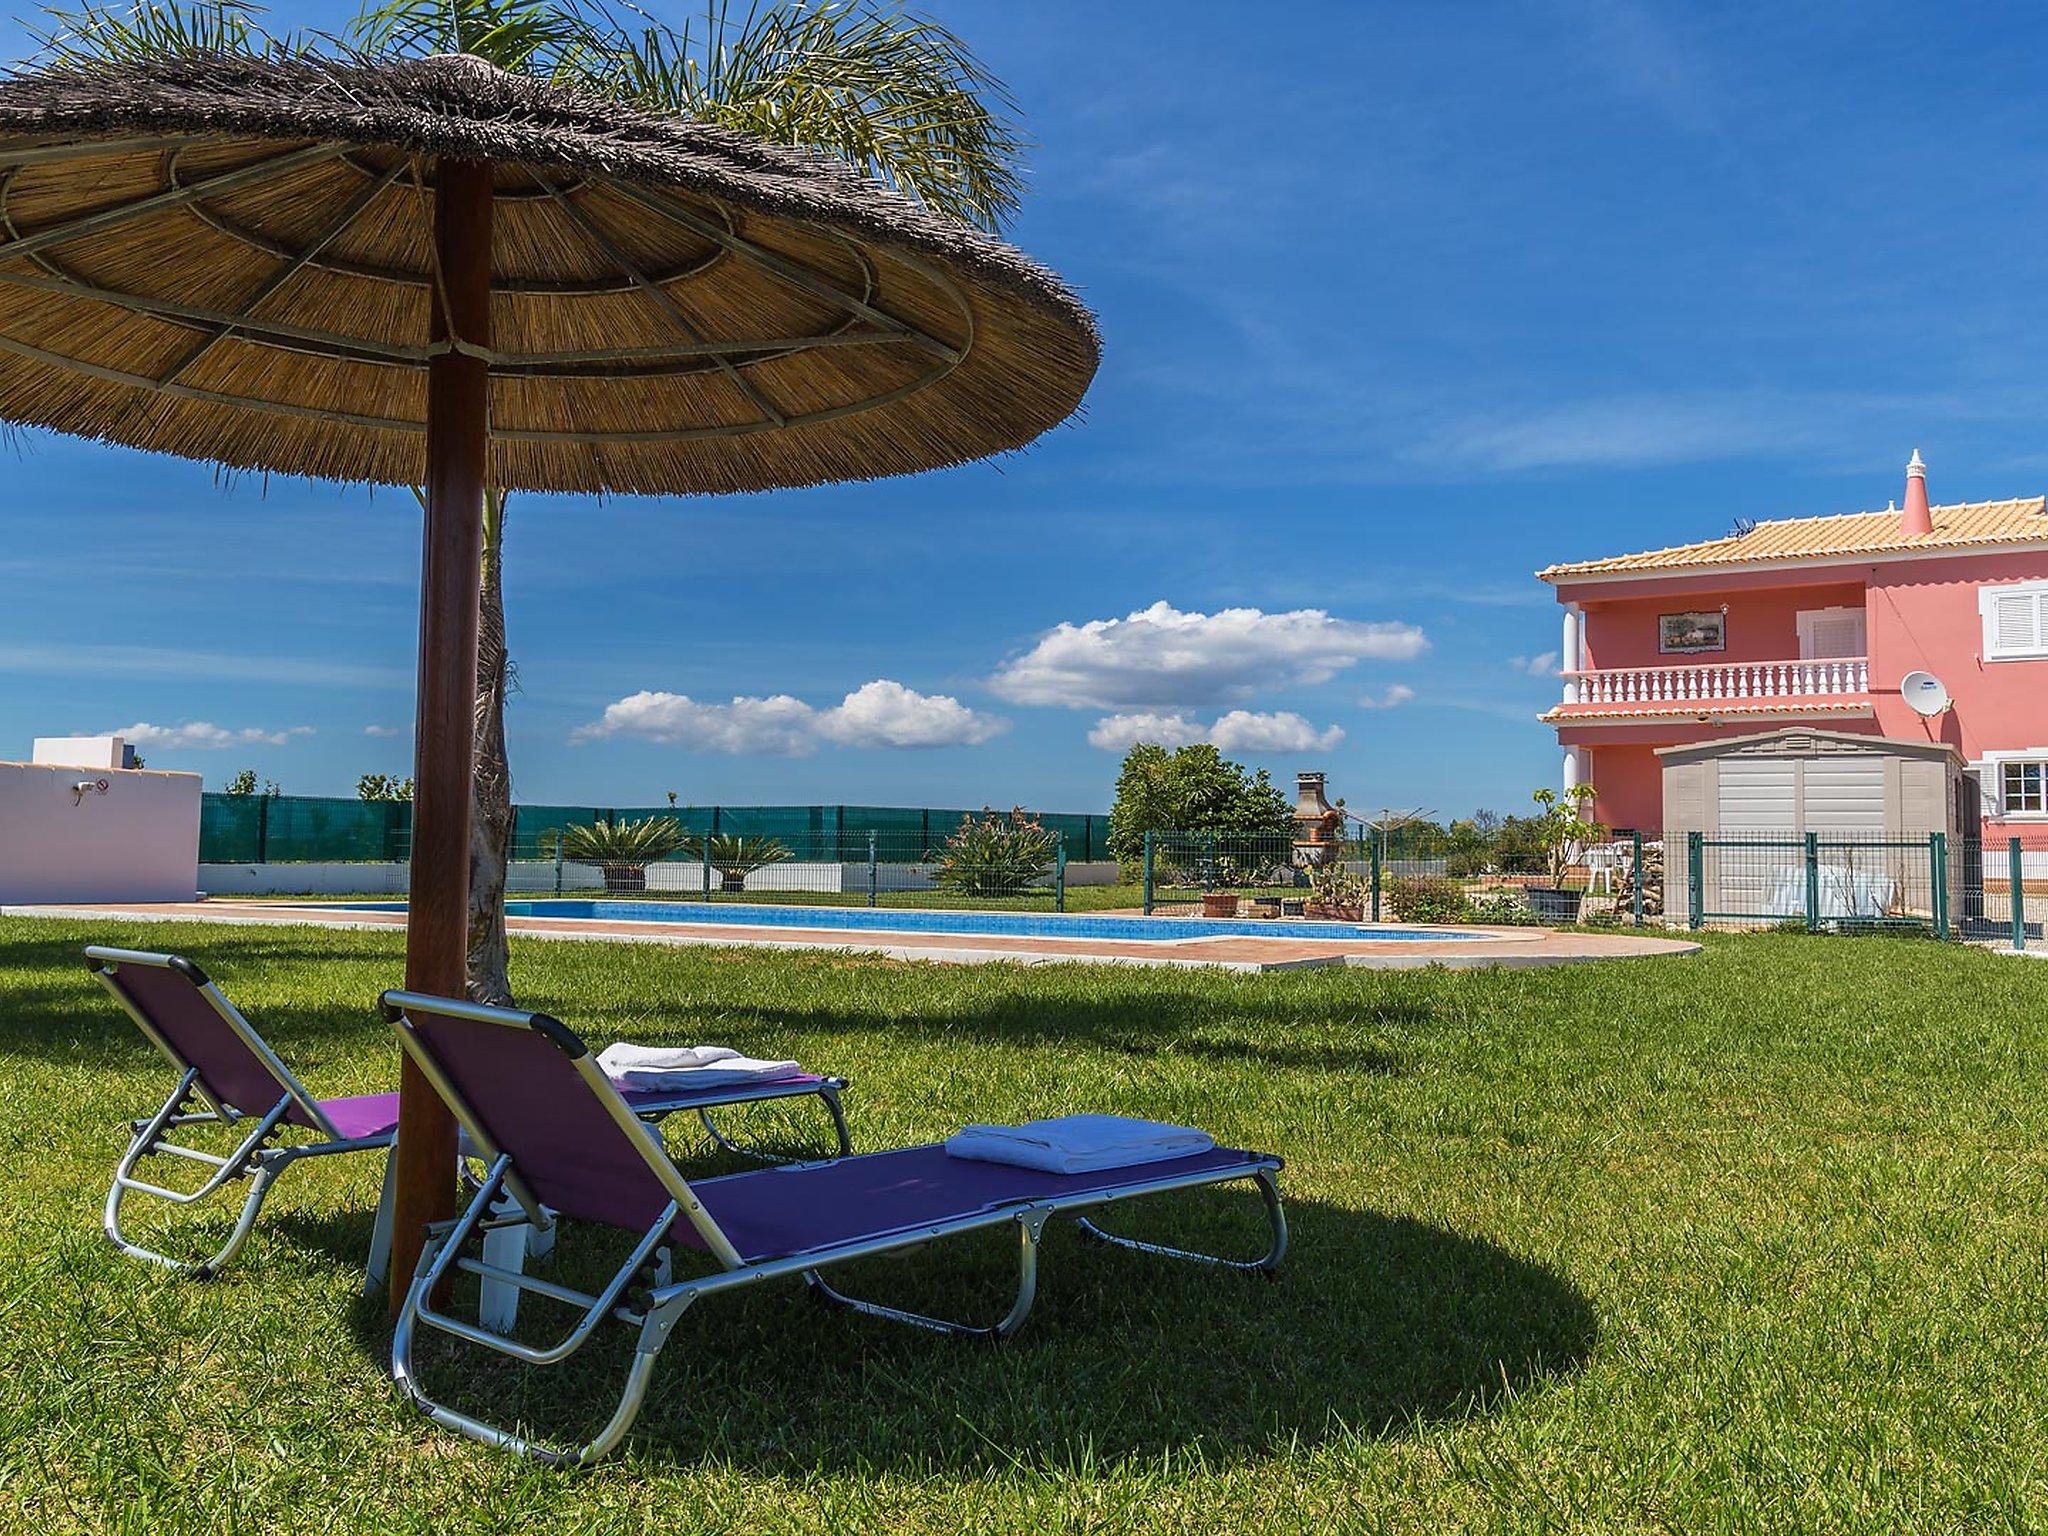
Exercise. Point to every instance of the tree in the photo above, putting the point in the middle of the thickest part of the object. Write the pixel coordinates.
(897, 96)
(383, 786)
(1194, 789)
(243, 783)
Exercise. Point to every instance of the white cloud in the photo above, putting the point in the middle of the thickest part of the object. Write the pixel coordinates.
(380, 731)
(887, 714)
(204, 736)
(1160, 657)
(1542, 664)
(1244, 730)
(1394, 695)
(1119, 733)
(1240, 730)
(877, 714)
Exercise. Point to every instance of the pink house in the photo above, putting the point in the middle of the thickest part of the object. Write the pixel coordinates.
(1816, 620)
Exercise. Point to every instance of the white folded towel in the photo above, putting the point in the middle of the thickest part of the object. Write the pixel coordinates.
(1078, 1143)
(687, 1066)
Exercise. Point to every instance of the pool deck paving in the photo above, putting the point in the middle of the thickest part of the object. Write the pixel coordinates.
(1461, 949)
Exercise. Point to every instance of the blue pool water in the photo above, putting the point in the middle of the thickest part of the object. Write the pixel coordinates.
(1030, 925)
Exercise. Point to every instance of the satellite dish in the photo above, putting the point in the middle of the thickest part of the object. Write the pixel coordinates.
(1924, 693)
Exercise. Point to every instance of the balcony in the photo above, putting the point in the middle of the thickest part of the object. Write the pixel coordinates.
(1837, 685)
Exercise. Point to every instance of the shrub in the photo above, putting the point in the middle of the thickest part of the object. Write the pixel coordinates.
(1426, 899)
(1504, 908)
(623, 850)
(1337, 890)
(994, 855)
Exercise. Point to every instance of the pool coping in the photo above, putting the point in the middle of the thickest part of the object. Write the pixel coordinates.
(1510, 948)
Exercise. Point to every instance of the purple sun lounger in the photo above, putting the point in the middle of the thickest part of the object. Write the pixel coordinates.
(229, 1075)
(559, 1141)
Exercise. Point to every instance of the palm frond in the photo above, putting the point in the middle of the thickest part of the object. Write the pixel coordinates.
(891, 92)
(90, 34)
(534, 37)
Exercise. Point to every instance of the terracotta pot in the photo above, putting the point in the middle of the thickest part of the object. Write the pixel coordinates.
(1331, 912)
(1219, 904)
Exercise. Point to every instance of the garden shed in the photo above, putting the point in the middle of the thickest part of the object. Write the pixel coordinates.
(1800, 818)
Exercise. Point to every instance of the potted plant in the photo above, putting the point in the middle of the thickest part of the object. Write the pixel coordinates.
(1564, 831)
(622, 850)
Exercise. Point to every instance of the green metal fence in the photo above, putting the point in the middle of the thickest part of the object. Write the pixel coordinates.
(1824, 883)
(301, 829)
(902, 870)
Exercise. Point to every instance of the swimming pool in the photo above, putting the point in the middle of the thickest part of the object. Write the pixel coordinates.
(1029, 925)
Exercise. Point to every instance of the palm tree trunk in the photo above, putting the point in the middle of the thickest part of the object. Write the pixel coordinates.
(490, 833)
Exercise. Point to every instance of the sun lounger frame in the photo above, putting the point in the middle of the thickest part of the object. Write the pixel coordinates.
(191, 1102)
(658, 1302)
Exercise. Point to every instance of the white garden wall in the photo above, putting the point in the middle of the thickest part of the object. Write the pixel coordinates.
(536, 877)
(97, 834)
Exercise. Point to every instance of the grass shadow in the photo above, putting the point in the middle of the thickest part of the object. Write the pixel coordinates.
(1377, 1326)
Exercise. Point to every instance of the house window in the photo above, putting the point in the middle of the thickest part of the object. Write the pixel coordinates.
(2023, 787)
(2015, 620)
(1826, 633)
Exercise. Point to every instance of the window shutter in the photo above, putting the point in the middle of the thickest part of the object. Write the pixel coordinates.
(2015, 624)
(1837, 634)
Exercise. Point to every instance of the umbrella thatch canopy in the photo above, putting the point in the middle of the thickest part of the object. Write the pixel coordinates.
(435, 273)
(231, 260)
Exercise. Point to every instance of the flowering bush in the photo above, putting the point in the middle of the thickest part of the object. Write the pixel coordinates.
(995, 854)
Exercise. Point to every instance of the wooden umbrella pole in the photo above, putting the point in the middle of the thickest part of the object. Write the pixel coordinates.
(437, 928)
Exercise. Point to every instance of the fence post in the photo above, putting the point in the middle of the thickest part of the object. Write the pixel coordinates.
(1148, 874)
(1813, 882)
(1695, 879)
(1937, 864)
(1636, 852)
(558, 859)
(2017, 896)
(1374, 845)
(871, 867)
(1059, 873)
(704, 851)
(263, 829)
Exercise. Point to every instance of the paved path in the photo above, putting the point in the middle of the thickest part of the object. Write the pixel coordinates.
(1475, 948)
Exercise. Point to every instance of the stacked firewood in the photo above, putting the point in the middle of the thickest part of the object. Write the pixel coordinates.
(1653, 882)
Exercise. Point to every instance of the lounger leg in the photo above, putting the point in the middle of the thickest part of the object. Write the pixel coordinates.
(1268, 1264)
(1030, 1224)
(442, 1253)
(379, 1264)
(247, 1161)
(832, 1107)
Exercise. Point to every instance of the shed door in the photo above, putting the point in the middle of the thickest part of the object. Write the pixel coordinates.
(1758, 795)
(1845, 793)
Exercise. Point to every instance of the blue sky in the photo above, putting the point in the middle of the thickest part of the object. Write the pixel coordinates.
(1400, 302)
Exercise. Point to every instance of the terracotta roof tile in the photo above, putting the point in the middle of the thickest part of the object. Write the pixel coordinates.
(2019, 520)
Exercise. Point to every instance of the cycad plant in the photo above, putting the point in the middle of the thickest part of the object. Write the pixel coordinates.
(897, 96)
(623, 850)
(735, 858)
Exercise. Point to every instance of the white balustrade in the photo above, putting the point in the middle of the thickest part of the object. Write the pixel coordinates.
(1708, 682)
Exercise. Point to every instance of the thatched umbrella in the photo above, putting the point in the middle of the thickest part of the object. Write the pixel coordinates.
(435, 273)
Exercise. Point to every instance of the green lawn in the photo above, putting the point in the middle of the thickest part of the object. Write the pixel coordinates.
(1756, 1240)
